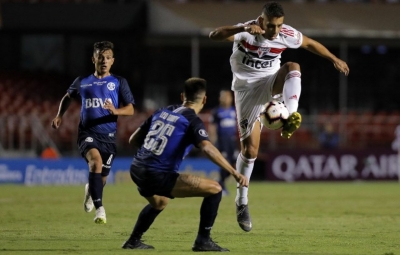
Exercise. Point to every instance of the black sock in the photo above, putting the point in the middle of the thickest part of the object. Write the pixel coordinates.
(208, 213)
(96, 189)
(144, 221)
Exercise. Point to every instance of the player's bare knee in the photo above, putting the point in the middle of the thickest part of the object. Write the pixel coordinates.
(215, 188)
(95, 165)
(292, 66)
(250, 152)
(161, 204)
(158, 202)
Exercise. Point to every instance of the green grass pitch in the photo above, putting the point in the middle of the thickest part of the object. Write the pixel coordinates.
(288, 219)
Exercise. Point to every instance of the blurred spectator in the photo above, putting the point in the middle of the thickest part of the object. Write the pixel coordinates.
(223, 131)
(49, 153)
(328, 138)
(396, 142)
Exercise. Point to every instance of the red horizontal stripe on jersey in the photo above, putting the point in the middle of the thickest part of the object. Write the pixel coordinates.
(276, 50)
(249, 46)
(253, 47)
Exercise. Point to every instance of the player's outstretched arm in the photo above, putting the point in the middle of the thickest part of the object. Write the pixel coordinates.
(125, 110)
(228, 32)
(64, 104)
(137, 138)
(225, 33)
(319, 49)
(215, 156)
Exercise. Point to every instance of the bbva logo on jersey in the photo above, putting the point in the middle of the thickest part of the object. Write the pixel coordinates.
(95, 102)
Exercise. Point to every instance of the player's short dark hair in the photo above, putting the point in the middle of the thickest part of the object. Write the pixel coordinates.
(273, 10)
(194, 88)
(103, 46)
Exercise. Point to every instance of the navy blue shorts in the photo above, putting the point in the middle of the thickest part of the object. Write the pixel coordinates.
(152, 182)
(107, 151)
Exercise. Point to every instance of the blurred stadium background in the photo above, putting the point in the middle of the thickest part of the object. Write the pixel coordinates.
(46, 44)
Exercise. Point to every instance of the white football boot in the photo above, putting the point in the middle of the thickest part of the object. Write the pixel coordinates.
(87, 201)
(100, 216)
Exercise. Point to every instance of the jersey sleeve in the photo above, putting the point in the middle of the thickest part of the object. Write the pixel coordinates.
(291, 37)
(146, 124)
(198, 131)
(73, 90)
(125, 93)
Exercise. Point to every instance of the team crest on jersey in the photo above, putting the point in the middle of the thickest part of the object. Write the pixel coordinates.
(262, 51)
(203, 133)
(111, 85)
(89, 139)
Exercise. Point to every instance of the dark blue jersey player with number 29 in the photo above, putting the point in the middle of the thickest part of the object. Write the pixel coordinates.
(101, 94)
(163, 141)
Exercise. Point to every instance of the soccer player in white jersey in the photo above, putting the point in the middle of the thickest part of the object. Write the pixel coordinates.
(258, 76)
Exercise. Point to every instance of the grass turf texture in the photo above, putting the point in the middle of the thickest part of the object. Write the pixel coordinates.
(290, 219)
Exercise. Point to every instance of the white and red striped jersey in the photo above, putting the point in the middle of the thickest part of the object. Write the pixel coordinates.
(255, 57)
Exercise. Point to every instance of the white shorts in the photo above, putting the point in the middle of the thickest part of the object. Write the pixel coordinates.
(250, 103)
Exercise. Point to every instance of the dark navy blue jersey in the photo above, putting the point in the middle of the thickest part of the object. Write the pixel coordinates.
(171, 133)
(93, 93)
(225, 120)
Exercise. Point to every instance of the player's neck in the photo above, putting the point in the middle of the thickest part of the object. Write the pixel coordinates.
(101, 75)
(196, 107)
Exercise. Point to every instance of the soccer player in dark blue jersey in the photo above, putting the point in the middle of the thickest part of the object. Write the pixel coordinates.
(104, 97)
(223, 130)
(163, 140)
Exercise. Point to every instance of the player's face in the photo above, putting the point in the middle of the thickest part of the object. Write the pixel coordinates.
(272, 26)
(225, 98)
(103, 61)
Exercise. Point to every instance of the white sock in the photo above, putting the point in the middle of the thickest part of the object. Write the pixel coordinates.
(292, 90)
(245, 167)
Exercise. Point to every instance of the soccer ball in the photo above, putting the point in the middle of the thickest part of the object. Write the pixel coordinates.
(274, 115)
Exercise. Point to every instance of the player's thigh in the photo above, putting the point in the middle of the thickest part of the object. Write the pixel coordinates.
(188, 185)
(250, 103)
(158, 202)
(93, 158)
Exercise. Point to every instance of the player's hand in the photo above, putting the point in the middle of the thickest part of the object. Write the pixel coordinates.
(341, 66)
(241, 179)
(254, 30)
(108, 105)
(56, 122)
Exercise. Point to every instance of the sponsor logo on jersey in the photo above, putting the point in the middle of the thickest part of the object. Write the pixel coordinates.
(86, 85)
(203, 133)
(111, 85)
(89, 139)
(95, 102)
(99, 83)
(258, 64)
